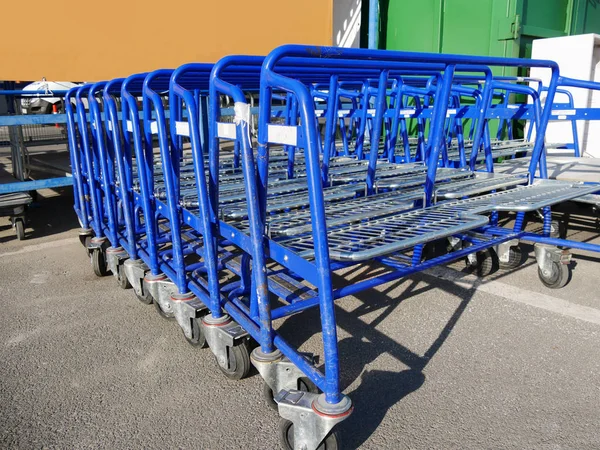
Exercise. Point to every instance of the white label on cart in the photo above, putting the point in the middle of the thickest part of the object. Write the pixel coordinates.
(407, 112)
(343, 112)
(282, 134)
(564, 112)
(320, 113)
(129, 126)
(182, 128)
(450, 112)
(371, 111)
(226, 130)
(153, 127)
(513, 106)
(110, 126)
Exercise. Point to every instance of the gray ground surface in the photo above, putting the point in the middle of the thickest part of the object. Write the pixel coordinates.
(439, 360)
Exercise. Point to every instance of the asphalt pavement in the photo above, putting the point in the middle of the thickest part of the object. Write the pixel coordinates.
(438, 360)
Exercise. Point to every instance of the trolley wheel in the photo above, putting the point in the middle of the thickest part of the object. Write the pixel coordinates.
(20, 229)
(239, 362)
(145, 297)
(86, 241)
(98, 259)
(304, 385)
(486, 263)
(122, 280)
(198, 339)
(168, 315)
(557, 278)
(558, 229)
(332, 441)
(515, 258)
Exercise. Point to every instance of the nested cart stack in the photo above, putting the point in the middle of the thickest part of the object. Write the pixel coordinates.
(227, 195)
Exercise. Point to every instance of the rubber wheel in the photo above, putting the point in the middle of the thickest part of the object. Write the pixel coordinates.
(198, 339)
(122, 280)
(487, 262)
(168, 315)
(559, 276)
(515, 259)
(145, 297)
(239, 362)
(98, 262)
(304, 385)
(20, 229)
(86, 241)
(332, 441)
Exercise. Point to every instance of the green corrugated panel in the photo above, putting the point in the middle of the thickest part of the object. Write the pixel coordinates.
(482, 27)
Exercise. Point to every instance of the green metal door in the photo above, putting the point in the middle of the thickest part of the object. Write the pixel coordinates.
(475, 27)
(482, 27)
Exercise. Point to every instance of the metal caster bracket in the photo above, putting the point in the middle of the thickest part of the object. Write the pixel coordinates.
(115, 257)
(312, 416)
(98, 242)
(503, 250)
(135, 271)
(161, 289)
(277, 370)
(84, 233)
(187, 307)
(220, 334)
(546, 254)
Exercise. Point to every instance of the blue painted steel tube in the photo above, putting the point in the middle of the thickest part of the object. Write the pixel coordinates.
(260, 291)
(75, 158)
(92, 169)
(131, 122)
(106, 185)
(170, 163)
(328, 325)
(210, 252)
(331, 115)
(380, 105)
(124, 166)
(373, 23)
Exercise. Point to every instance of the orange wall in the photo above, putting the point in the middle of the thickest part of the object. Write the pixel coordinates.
(83, 40)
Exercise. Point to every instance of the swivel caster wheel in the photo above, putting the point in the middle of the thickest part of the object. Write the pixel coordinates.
(557, 277)
(20, 229)
(167, 314)
(198, 339)
(304, 384)
(145, 297)
(484, 262)
(332, 441)
(98, 259)
(122, 280)
(515, 259)
(238, 362)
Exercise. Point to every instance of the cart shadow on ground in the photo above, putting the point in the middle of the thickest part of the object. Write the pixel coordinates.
(377, 391)
(374, 392)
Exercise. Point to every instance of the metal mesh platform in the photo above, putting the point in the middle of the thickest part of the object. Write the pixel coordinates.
(388, 235)
(482, 182)
(538, 195)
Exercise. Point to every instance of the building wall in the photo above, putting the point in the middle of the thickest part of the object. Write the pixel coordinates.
(347, 22)
(79, 40)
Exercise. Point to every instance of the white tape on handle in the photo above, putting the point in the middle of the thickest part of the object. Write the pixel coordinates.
(129, 126)
(153, 127)
(242, 112)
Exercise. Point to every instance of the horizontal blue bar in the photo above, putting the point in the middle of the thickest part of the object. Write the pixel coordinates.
(26, 186)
